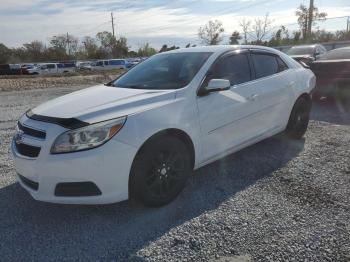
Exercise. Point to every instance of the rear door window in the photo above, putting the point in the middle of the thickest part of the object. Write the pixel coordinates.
(281, 64)
(265, 64)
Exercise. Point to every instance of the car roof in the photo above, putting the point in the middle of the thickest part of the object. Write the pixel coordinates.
(221, 48)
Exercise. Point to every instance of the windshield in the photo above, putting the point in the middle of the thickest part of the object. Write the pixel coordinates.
(165, 71)
(301, 51)
(342, 53)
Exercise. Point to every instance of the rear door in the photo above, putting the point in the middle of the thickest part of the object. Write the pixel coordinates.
(275, 83)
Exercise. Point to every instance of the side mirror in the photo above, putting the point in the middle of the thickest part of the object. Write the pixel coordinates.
(216, 85)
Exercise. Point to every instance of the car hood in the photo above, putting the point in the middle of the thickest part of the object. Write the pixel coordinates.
(101, 103)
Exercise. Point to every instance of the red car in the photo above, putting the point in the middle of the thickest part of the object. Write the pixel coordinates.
(332, 72)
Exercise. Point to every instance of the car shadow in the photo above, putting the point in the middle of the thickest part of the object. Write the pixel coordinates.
(331, 111)
(40, 231)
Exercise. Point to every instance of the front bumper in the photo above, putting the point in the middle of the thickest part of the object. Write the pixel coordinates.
(107, 167)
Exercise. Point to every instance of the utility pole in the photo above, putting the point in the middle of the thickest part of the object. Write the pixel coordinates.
(112, 23)
(348, 24)
(68, 44)
(311, 16)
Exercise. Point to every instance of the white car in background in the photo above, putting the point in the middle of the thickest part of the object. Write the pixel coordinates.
(84, 65)
(141, 135)
(50, 69)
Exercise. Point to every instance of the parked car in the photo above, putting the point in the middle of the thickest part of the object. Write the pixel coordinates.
(307, 53)
(134, 61)
(10, 69)
(24, 66)
(84, 65)
(51, 68)
(332, 72)
(141, 135)
(112, 64)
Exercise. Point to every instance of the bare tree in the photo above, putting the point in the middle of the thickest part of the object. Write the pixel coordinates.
(245, 24)
(211, 33)
(261, 28)
(303, 15)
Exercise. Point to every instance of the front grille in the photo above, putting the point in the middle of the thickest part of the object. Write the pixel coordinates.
(31, 132)
(77, 189)
(29, 183)
(27, 150)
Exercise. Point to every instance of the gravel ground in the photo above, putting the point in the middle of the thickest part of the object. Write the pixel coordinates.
(279, 200)
(26, 82)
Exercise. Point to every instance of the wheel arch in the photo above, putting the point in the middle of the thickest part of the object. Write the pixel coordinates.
(174, 132)
(304, 95)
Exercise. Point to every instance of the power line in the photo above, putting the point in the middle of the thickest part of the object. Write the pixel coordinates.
(221, 11)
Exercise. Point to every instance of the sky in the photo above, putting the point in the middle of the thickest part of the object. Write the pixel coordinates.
(158, 22)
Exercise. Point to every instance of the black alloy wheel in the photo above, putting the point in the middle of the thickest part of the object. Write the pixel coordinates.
(299, 118)
(160, 171)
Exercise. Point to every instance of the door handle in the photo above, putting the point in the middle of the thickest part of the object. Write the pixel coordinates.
(253, 97)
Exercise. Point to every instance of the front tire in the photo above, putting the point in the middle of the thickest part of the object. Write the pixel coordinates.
(160, 171)
(299, 118)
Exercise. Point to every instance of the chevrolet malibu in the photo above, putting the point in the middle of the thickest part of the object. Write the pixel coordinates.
(141, 135)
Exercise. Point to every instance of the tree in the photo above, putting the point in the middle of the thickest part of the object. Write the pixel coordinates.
(146, 50)
(303, 15)
(107, 41)
(188, 45)
(5, 53)
(132, 54)
(111, 46)
(120, 49)
(211, 33)
(296, 37)
(35, 50)
(280, 37)
(245, 25)
(90, 48)
(234, 38)
(65, 46)
(163, 49)
(261, 27)
(322, 36)
(59, 42)
(342, 35)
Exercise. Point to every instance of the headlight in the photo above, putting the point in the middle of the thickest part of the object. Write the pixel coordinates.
(87, 137)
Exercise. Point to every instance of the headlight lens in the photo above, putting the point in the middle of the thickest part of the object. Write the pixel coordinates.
(87, 137)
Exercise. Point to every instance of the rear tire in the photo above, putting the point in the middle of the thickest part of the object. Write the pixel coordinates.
(160, 171)
(299, 118)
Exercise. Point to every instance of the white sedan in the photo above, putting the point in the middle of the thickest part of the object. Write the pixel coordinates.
(141, 135)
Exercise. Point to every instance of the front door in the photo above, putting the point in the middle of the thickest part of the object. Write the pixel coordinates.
(229, 118)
